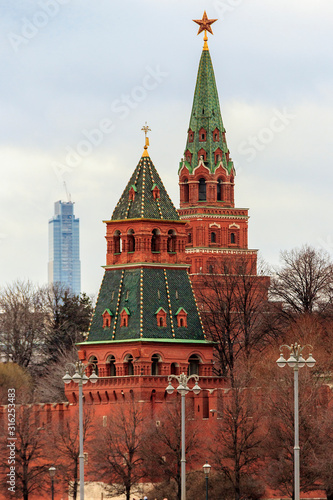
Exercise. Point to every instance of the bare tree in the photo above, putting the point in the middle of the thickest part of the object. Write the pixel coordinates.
(280, 439)
(31, 462)
(234, 309)
(64, 442)
(304, 281)
(22, 323)
(50, 387)
(161, 448)
(13, 376)
(237, 449)
(117, 455)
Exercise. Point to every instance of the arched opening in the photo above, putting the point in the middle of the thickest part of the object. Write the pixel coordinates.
(111, 367)
(193, 367)
(181, 321)
(186, 191)
(189, 237)
(219, 190)
(171, 244)
(213, 237)
(155, 241)
(174, 369)
(130, 241)
(161, 321)
(93, 364)
(232, 238)
(117, 243)
(129, 365)
(202, 189)
(155, 359)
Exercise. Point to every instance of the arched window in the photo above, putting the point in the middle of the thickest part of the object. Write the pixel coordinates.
(186, 191)
(232, 238)
(189, 237)
(219, 190)
(155, 359)
(130, 241)
(155, 241)
(213, 237)
(129, 363)
(202, 189)
(190, 135)
(117, 242)
(161, 321)
(93, 365)
(111, 367)
(193, 367)
(174, 369)
(171, 244)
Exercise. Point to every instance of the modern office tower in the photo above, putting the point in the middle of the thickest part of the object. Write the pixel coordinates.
(64, 247)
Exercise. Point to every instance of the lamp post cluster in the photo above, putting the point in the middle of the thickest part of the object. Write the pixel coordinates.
(183, 389)
(296, 361)
(81, 378)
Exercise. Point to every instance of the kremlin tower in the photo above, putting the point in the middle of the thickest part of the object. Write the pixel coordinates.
(216, 231)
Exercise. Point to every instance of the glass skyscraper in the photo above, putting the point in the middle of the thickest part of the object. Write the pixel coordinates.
(64, 250)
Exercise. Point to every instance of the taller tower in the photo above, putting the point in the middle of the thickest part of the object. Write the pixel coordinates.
(216, 229)
(64, 247)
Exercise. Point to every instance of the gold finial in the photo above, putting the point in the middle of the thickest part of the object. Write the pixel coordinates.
(146, 129)
(205, 25)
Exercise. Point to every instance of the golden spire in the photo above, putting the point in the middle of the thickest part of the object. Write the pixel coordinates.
(205, 25)
(146, 129)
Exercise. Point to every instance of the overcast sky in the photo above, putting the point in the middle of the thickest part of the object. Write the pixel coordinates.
(80, 78)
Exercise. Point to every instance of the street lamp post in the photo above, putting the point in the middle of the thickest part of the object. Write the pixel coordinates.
(52, 471)
(206, 469)
(296, 361)
(81, 378)
(183, 389)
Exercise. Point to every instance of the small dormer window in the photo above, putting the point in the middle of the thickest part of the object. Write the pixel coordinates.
(188, 156)
(156, 192)
(131, 194)
(161, 316)
(190, 135)
(202, 135)
(181, 315)
(107, 316)
(124, 315)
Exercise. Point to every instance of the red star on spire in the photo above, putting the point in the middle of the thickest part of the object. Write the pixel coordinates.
(205, 23)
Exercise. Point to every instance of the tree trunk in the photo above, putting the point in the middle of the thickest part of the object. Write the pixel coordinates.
(75, 482)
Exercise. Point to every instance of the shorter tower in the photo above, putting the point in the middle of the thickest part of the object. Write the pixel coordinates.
(64, 247)
(146, 324)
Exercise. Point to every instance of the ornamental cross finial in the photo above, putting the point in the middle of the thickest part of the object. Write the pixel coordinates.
(146, 129)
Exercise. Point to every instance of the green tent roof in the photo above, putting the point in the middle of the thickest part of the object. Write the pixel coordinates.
(143, 181)
(143, 291)
(206, 114)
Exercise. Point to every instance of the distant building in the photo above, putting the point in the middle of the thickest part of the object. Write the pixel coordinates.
(64, 247)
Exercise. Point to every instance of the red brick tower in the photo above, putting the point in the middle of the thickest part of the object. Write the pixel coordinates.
(146, 323)
(216, 230)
